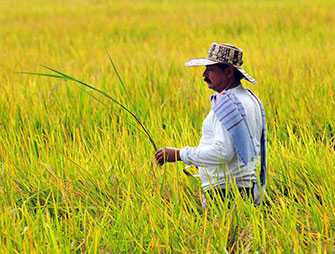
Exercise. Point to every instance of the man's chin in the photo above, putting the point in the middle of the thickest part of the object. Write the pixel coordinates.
(210, 86)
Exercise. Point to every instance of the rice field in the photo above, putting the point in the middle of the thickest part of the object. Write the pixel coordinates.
(78, 176)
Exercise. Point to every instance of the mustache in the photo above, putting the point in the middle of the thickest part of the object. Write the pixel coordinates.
(207, 80)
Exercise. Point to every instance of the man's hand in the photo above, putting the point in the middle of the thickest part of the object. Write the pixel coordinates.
(167, 154)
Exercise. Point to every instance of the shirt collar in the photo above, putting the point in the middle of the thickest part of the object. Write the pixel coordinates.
(231, 90)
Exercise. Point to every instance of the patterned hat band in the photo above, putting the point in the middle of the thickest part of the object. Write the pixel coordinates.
(225, 53)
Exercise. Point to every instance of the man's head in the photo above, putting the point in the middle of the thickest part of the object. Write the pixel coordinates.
(223, 66)
(221, 76)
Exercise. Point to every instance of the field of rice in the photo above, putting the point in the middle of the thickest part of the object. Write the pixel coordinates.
(76, 173)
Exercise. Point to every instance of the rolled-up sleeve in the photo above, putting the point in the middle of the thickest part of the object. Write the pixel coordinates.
(218, 152)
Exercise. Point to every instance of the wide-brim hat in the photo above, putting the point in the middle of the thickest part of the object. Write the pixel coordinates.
(223, 53)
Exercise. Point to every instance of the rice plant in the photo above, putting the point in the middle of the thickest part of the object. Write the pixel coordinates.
(78, 171)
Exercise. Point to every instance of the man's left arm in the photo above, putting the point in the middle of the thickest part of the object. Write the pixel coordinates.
(220, 151)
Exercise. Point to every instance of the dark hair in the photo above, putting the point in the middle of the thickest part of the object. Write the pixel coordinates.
(238, 75)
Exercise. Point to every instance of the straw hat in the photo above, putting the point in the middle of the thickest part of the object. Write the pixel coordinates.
(223, 53)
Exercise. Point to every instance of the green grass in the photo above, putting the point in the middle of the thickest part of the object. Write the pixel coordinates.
(77, 176)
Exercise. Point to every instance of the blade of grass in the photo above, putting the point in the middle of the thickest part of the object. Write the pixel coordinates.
(109, 97)
(94, 97)
(116, 71)
(106, 105)
(42, 74)
(64, 76)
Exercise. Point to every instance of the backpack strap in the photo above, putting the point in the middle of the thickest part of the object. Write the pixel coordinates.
(263, 141)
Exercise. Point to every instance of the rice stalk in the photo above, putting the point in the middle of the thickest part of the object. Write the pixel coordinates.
(61, 75)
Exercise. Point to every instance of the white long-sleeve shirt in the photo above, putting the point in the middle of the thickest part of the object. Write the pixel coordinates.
(215, 155)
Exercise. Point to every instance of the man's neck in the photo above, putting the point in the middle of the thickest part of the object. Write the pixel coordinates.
(236, 84)
(233, 85)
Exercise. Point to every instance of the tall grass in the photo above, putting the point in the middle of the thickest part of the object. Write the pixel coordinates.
(60, 75)
(75, 177)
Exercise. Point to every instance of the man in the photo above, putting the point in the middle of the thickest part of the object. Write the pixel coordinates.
(233, 135)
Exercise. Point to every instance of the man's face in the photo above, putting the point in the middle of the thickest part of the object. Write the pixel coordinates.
(217, 78)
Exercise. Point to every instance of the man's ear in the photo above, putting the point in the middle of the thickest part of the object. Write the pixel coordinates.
(229, 72)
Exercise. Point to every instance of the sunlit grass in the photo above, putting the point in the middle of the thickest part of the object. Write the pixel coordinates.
(77, 175)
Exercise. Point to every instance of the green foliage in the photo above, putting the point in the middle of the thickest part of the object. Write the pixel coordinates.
(76, 175)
